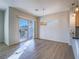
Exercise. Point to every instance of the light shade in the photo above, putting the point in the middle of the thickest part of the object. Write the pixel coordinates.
(76, 9)
(43, 23)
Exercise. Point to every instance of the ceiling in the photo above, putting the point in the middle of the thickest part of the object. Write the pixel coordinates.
(50, 6)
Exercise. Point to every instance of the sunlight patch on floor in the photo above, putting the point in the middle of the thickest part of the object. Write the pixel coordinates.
(29, 45)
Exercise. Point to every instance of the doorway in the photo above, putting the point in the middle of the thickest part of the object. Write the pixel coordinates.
(26, 29)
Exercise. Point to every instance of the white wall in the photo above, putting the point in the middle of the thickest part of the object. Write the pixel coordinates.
(6, 27)
(57, 28)
(1, 26)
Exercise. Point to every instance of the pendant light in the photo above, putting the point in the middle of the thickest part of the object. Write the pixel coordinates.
(43, 19)
(75, 7)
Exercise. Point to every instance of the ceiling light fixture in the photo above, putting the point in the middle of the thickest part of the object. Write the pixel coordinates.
(36, 9)
(43, 21)
(75, 7)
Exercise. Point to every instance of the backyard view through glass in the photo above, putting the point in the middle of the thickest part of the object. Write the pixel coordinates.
(23, 29)
(26, 29)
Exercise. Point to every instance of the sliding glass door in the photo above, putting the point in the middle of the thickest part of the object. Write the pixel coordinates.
(31, 30)
(23, 29)
(26, 29)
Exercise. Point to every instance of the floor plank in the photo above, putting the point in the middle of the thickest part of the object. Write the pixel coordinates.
(37, 49)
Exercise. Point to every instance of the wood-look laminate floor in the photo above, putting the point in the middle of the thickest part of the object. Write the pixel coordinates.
(37, 49)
